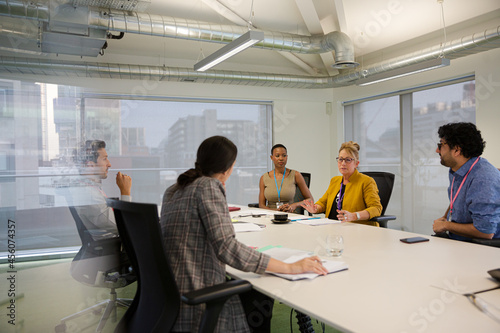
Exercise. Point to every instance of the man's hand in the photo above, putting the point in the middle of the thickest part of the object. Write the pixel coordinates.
(124, 183)
(439, 225)
(463, 229)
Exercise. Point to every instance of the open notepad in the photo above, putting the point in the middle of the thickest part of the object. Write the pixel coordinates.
(290, 255)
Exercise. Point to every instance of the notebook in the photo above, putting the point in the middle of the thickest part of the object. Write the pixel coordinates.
(291, 255)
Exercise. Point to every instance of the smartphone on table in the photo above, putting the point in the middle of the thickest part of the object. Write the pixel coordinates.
(412, 240)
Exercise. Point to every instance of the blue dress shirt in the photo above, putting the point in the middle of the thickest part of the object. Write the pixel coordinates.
(478, 201)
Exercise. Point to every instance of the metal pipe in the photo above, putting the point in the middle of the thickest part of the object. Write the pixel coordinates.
(180, 28)
(158, 73)
(28, 10)
(479, 42)
(165, 26)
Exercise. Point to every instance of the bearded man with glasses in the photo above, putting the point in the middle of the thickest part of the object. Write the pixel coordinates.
(474, 191)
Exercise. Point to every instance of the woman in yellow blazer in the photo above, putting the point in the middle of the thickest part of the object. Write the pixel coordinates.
(352, 197)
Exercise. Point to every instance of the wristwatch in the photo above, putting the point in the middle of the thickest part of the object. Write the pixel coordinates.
(357, 214)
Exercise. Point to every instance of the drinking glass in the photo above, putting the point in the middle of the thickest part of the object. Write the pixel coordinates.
(334, 245)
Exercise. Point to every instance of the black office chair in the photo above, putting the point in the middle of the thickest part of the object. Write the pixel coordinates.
(298, 194)
(385, 184)
(156, 304)
(99, 263)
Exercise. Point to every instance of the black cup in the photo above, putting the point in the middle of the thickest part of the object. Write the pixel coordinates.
(281, 217)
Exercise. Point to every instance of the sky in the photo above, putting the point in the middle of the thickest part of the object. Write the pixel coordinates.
(146, 114)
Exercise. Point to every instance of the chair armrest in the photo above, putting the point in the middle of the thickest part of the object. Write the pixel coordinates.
(253, 205)
(489, 242)
(218, 291)
(383, 219)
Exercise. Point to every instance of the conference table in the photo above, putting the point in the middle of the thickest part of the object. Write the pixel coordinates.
(389, 286)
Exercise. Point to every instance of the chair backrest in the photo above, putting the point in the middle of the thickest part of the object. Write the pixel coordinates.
(385, 183)
(157, 300)
(97, 255)
(298, 194)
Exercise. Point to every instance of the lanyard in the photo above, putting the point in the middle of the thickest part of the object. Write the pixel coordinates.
(276, 182)
(339, 201)
(452, 199)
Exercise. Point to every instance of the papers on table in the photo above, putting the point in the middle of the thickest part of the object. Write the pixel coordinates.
(246, 227)
(290, 256)
(316, 221)
(252, 213)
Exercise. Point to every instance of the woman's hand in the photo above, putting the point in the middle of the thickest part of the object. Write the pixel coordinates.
(288, 207)
(284, 207)
(310, 206)
(345, 216)
(311, 264)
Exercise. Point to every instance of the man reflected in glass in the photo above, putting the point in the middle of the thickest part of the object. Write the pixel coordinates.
(87, 195)
(101, 248)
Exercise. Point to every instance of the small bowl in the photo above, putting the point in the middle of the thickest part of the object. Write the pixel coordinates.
(281, 217)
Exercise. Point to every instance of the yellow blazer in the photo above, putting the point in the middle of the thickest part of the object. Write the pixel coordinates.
(361, 193)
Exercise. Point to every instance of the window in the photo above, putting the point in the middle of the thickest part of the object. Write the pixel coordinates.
(153, 141)
(375, 126)
(3, 101)
(398, 134)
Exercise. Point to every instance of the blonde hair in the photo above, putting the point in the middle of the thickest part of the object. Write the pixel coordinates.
(352, 148)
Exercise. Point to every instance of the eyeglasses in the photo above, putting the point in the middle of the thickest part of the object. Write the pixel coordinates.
(440, 144)
(347, 160)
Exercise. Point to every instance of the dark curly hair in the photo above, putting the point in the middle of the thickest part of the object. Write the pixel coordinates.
(465, 136)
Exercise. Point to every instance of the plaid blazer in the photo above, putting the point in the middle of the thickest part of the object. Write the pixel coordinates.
(199, 241)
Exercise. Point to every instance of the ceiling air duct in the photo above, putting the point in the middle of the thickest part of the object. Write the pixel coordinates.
(67, 32)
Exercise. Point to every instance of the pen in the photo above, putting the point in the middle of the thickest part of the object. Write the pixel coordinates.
(306, 218)
(252, 215)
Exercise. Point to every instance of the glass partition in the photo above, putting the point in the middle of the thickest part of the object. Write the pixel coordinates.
(42, 127)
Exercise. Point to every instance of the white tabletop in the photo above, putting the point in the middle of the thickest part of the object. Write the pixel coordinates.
(390, 286)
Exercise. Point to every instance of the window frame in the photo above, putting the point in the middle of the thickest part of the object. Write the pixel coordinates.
(406, 142)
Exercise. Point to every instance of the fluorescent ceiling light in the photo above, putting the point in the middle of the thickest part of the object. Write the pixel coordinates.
(403, 71)
(239, 44)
